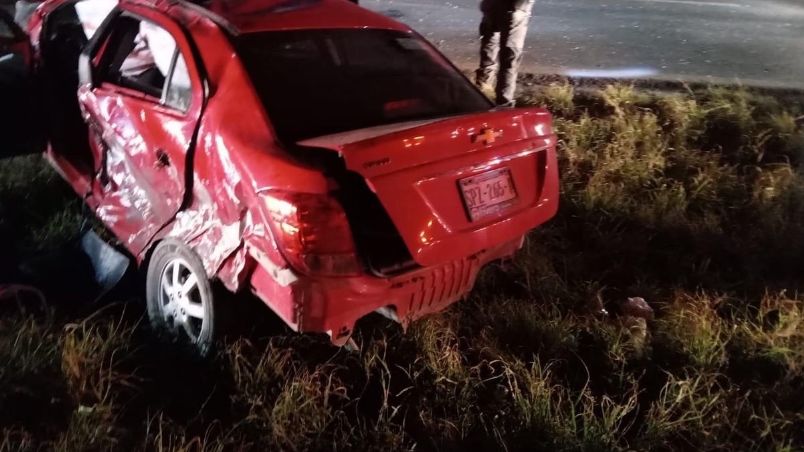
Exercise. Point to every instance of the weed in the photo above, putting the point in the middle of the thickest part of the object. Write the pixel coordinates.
(93, 354)
(289, 403)
(163, 435)
(90, 428)
(692, 326)
(527, 328)
(535, 398)
(691, 200)
(773, 336)
(37, 209)
(28, 347)
(558, 98)
(12, 440)
(686, 411)
(440, 349)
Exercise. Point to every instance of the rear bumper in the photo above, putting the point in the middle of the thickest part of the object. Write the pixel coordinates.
(334, 305)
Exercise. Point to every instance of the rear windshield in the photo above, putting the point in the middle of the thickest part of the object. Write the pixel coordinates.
(318, 82)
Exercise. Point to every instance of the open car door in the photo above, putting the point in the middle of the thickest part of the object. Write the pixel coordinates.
(20, 128)
(141, 93)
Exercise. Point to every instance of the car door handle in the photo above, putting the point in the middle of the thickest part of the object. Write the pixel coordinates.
(162, 159)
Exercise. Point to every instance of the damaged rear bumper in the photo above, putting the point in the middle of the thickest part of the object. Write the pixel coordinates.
(334, 305)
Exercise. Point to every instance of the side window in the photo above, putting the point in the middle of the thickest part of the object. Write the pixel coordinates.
(143, 56)
(179, 90)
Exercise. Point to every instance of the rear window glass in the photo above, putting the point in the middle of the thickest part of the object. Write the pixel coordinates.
(314, 83)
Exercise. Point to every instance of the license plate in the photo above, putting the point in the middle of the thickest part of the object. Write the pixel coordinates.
(487, 193)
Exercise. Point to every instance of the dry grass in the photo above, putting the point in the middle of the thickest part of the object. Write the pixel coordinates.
(691, 200)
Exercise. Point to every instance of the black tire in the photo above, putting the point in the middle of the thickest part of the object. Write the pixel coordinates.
(183, 312)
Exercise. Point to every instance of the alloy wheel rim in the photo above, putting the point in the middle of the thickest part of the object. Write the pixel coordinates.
(181, 303)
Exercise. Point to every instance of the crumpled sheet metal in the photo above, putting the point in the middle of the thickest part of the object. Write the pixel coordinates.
(139, 200)
(225, 138)
(126, 207)
(142, 203)
(234, 161)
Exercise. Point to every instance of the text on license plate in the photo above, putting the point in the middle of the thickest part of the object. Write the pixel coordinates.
(487, 193)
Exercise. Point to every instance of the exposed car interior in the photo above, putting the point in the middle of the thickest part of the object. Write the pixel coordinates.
(131, 63)
(141, 56)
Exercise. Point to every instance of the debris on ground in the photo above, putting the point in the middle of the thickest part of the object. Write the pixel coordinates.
(635, 313)
(86, 269)
(636, 307)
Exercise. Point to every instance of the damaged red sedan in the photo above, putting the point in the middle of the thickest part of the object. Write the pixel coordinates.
(324, 157)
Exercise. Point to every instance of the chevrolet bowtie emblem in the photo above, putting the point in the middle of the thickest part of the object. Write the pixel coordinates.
(487, 136)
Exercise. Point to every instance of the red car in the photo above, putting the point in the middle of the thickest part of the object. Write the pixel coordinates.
(324, 157)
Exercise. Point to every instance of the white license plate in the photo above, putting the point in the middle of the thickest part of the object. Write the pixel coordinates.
(487, 193)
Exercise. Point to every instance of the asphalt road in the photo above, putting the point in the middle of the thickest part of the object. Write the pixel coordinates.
(754, 42)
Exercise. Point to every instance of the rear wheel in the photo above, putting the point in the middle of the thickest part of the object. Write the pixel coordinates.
(181, 302)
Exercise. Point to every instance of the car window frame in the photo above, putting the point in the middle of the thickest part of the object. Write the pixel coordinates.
(99, 51)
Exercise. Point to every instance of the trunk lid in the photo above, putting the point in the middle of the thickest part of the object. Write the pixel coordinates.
(456, 186)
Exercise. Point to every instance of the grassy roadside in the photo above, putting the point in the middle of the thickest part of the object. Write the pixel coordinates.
(691, 201)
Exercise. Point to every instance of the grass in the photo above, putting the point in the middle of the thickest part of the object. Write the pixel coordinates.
(690, 200)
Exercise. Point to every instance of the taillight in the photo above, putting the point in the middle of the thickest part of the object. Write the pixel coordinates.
(313, 233)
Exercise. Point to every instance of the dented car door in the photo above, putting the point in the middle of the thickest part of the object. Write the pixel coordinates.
(142, 105)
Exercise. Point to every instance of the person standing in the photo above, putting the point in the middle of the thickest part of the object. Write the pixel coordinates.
(502, 37)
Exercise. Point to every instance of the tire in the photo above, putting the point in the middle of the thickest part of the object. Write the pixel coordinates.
(180, 298)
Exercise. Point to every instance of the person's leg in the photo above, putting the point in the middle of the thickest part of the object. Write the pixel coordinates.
(512, 42)
(489, 49)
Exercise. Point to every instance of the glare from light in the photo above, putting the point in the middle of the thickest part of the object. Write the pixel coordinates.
(628, 72)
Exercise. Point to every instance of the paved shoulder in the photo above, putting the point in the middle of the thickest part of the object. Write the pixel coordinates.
(750, 41)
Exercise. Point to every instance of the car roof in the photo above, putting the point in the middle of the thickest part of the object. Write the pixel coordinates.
(250, 16)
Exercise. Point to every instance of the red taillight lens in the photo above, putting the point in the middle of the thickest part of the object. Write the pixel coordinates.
(313, 233)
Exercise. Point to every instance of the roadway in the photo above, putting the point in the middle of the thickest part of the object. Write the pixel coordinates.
(754, 42)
